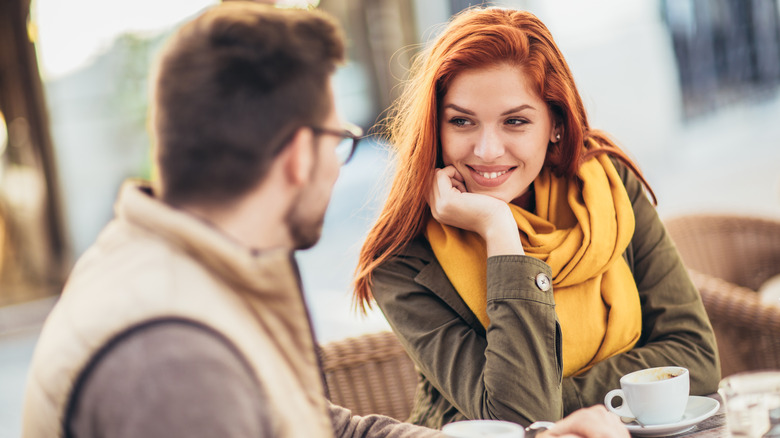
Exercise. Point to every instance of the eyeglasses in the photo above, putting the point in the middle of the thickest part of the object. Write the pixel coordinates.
(350, 136)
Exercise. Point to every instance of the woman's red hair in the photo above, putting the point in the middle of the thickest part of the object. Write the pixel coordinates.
(475, 38)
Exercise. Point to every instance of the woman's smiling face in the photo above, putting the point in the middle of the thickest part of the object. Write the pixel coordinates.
(494, 130)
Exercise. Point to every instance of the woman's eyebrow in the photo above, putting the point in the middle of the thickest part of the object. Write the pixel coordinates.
(457, 108)
(517, 109)
(507, 112)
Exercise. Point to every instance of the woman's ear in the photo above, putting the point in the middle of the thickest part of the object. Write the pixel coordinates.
(556, 133)
(299, 157)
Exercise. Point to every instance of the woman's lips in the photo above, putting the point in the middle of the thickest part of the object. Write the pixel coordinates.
(490, 177)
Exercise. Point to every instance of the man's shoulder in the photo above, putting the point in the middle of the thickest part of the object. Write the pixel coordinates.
(162, 344)
(129, 272)
(176, 372)
(124, 249)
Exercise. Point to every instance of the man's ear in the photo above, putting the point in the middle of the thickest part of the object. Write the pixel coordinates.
(299, 157)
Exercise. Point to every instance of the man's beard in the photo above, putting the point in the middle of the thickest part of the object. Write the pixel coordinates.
(304, 229)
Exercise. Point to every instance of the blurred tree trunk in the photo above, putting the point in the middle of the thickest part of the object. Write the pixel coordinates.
(382, 38)
(35, 253)
(391, 38)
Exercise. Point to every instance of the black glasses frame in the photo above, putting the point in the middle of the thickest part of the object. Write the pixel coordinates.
(350, 132)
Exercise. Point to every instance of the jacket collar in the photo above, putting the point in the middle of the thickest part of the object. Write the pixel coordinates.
(433, 278)
(259, 271)
(267, 281)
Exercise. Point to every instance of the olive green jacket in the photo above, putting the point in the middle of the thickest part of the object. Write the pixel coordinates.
(513, 369)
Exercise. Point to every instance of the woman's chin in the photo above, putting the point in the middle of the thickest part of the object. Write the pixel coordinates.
(494, 194)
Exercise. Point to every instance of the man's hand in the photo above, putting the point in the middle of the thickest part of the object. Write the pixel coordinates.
(592, 422)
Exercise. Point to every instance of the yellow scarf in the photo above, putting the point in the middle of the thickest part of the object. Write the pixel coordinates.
(581, 234)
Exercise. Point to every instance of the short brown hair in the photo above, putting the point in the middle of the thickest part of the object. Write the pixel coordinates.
(232, 87)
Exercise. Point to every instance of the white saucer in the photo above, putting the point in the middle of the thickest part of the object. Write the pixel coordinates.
(697, 410)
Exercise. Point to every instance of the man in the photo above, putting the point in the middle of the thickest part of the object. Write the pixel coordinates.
(186, 318)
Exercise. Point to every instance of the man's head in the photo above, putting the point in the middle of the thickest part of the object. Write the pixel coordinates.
(233, 87)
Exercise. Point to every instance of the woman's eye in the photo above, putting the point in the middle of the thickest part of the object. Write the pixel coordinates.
(516, 122)
(459, 121)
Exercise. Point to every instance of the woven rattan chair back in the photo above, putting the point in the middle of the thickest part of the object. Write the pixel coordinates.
(370, 374)
(729, 257)
(739, 249)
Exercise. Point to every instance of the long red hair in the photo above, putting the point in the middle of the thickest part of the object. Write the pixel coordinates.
(475, 38)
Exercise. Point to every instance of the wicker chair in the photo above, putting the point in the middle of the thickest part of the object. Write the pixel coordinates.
(729, 257)
(370, 374)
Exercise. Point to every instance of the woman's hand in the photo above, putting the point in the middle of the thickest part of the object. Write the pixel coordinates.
(489, 217)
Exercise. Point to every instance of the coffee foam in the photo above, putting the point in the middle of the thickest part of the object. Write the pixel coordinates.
(654, 375)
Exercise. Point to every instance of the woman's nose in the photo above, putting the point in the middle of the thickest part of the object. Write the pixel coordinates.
(489, 145)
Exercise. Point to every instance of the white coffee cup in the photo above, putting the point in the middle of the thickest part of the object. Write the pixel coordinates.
(653, 395)
(483, 429)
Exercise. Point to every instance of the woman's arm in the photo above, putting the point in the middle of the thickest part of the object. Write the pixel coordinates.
(675, 326)
(511, 371)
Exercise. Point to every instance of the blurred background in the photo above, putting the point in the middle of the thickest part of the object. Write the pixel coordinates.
(688, 87)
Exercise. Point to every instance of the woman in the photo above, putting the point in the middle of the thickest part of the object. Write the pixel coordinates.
(517, 257)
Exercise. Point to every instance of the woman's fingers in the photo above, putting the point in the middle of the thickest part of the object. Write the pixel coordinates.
(456, 179)
(450, 171)
(441, 184)
(491, 218)
(458, 185)
(457, 174)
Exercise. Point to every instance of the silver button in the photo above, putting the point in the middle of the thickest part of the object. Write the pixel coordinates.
(543, 282)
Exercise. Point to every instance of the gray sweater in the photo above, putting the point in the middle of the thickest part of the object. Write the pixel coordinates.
(177, 379)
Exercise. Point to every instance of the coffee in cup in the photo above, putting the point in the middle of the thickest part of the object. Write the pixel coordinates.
(653, 395)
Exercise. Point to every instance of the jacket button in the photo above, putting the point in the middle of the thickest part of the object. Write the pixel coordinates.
(543, 282)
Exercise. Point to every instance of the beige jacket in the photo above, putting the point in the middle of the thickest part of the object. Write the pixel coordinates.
(155, 262)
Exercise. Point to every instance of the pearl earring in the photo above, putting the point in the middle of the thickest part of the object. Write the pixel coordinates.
(557, 137)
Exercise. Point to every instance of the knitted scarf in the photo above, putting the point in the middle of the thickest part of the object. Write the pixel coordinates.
(581, 232)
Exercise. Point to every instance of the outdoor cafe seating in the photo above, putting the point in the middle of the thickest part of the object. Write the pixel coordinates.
(370, 374)
(729, 258)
